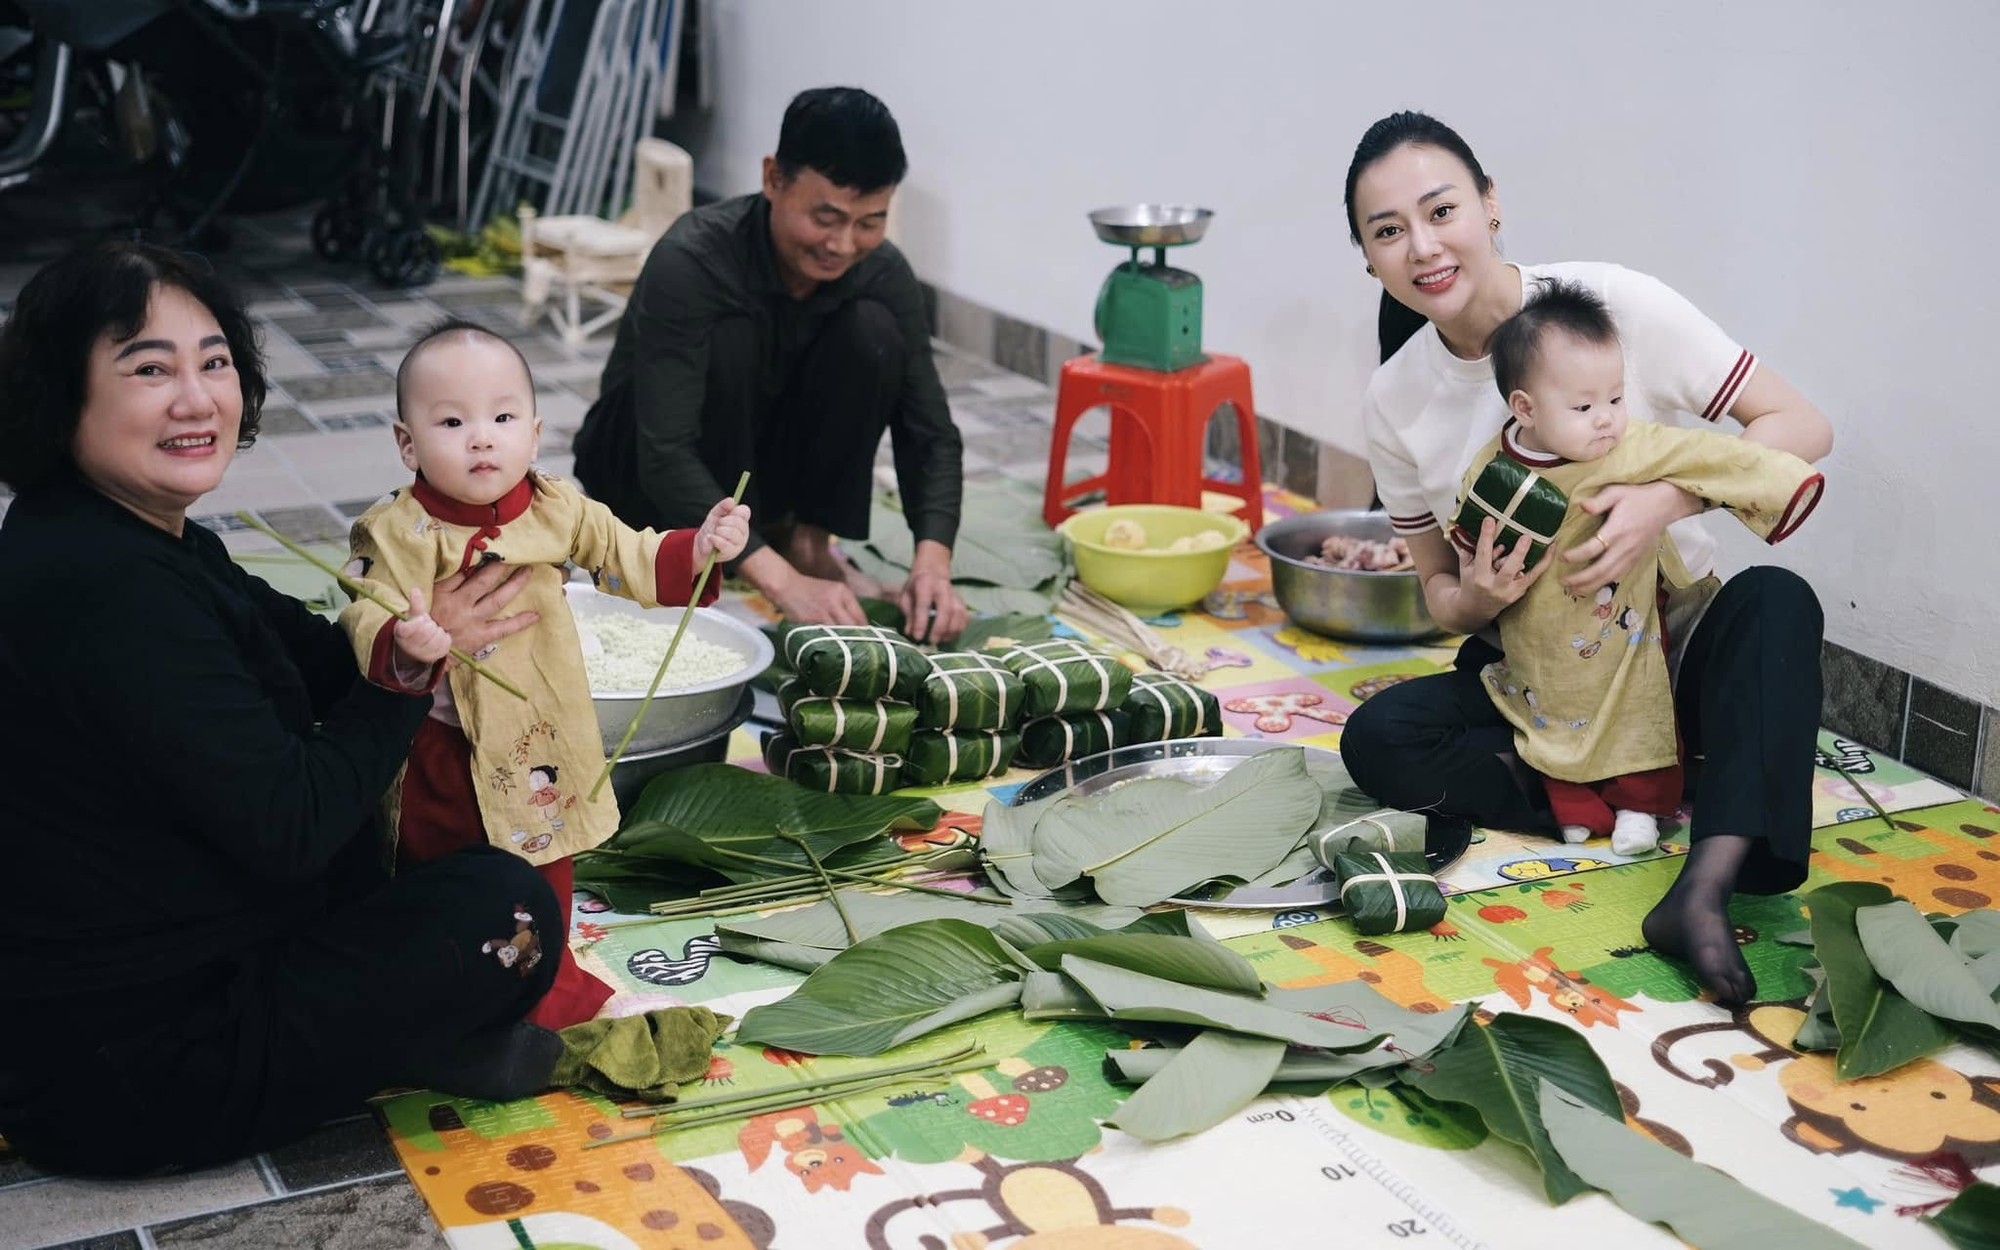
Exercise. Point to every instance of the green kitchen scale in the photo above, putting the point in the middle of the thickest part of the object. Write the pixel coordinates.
(1148, 312)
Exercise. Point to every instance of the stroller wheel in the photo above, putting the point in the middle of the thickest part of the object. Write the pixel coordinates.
(337, 232)
(408, 257)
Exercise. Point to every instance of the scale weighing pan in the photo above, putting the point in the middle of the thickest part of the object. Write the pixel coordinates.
(1151, 225)
(1203, 760)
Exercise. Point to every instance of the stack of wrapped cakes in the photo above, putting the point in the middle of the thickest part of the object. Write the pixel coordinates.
(850, 710)
(867, 712)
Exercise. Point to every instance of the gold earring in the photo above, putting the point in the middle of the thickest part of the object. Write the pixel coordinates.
(1495, 223)
(1371, 271)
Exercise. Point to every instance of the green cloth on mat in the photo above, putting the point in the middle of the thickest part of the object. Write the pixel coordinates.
(1064, 677)
(967, 690)
(822, 721)
(938, 756)
(1049, 741)
(864, 662)
(1163, 707)
(831, 770)
(648, 1057)
(1390, 892)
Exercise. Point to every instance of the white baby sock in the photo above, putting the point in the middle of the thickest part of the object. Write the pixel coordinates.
(1635, 833)
(1575, 834)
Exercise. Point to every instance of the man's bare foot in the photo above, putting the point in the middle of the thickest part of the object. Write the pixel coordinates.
(810, 550)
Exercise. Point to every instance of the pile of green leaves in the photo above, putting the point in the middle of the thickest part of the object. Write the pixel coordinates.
(1005, 560)
(1158, 838)
(695, 826)
(1229, 1037)
(1897, 985)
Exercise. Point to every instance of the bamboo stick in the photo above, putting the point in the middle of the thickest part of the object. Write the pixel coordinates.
(687, 614)
(401, 614)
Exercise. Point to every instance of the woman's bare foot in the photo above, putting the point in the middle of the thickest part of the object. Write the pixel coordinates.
(1692, 922)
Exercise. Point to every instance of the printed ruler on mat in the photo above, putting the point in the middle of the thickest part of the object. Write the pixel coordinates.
(1378, 1206)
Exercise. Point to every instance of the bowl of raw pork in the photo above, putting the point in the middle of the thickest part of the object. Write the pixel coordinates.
(1346, 575)
(700, 696)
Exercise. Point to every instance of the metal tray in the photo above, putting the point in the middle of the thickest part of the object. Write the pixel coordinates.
(1202, 760)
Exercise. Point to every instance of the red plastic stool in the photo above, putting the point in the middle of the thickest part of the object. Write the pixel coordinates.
(1159, 431)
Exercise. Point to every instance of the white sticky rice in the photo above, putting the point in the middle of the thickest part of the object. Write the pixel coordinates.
(621, 654)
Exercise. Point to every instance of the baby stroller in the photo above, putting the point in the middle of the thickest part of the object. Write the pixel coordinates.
(379, 216)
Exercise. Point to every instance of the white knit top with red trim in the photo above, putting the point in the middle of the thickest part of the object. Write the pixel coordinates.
(1426, 411)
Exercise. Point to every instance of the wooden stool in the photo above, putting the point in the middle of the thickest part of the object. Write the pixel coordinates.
(1159, 434)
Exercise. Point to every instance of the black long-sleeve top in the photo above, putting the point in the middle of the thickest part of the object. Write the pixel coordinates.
(186, 750)
(716, 262)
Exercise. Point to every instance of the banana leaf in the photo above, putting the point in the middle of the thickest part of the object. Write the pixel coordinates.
(818, 720)
(1063, 677)
(890, 989)
(1976, 933)
(1002, 540)
(633, 887)
(1498, 1071)
(861, 662)
(1162, 707)
(969, 691)
(938, 757)
(1155, 838)
(1880, 1030)
(1127, 995)
(1212, 1078)
(1006, 630)
(1053, 996)
(1972, 1221)
(830, 770)
(1049, 740)
(1006, 850)
(686, 815)
(1388, 893)
(1707, 1209)
(1186, 960)
(1909, 955)
(820, 926)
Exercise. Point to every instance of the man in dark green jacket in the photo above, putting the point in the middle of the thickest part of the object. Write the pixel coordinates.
(780, 332)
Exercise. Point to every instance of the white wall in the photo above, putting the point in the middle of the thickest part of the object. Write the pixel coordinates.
(1818, 175)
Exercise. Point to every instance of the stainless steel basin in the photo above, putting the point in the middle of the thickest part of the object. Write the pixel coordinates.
(1354, 606)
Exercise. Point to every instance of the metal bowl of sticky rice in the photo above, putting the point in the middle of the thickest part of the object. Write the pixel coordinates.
(622, 645)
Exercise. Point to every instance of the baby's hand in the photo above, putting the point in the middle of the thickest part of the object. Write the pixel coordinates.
(724, 533)
(421, 639)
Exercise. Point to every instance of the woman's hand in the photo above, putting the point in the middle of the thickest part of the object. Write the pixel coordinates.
(724, 532)
(468, 606)
(1490, 581)
(1634, 519)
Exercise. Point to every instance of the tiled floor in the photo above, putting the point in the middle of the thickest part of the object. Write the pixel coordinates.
(333, 340)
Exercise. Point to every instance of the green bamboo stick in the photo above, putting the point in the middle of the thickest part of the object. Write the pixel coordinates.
(807, 1087)
(845, 875)
(687, 614)
(1854, 781)
(401, 614)
(826, 884)
(742, 1111)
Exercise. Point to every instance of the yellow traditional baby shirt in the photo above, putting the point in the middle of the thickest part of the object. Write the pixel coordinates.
(534, 761)
(1584, 681)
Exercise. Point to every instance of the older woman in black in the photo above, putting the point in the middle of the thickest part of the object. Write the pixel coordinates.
(199, 954)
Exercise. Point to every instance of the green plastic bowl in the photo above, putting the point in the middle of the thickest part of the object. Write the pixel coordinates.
(1154, 580)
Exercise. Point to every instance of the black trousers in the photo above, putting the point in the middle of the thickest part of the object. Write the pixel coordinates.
(1748, 702)
(354, 1001)
(807, 432)
(811, 450)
